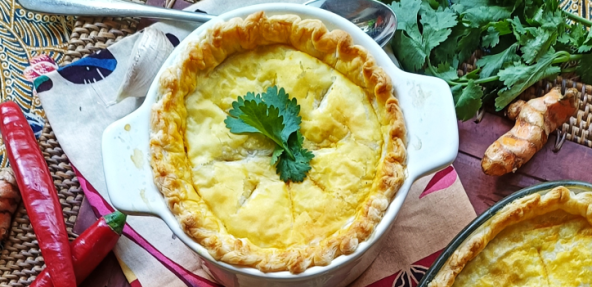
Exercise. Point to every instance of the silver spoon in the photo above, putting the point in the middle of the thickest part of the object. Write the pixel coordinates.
(373, 17)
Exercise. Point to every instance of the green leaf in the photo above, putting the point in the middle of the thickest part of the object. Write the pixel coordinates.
(288, 109)
(440, 19)
(445, 71)
(435, 4)
(552, 4)
(586, 44)
(491, 38)
(295, 169)
(432, 38)
(409, 52)
(536, 43)
(553, 20)
(275, 116)
(472, 75)
(574, 38)
(519, 77)
(447, 49)
(406, 11)
(234, 122)
(468, 4)
(275, 156)
(517, 27)
(468, 44)
(502, 27)
(264, 118)
(585, 68)
(491, 64)
(480, 16)
(467, 102)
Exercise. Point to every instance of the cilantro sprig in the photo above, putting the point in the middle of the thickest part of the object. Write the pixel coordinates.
(276, 116)
(524, 41)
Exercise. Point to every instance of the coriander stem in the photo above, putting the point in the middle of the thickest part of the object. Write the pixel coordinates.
(577, 18)
(487, 80)
(567, 58)
(569, 70)
(479, 81)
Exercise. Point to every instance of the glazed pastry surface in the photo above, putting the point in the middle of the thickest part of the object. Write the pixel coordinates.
(550, 250)
(232, 173)
(541, 239)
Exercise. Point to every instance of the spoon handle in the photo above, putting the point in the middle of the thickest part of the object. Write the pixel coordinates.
(110, 8)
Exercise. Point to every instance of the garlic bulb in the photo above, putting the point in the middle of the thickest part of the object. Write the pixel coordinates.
(150, 51)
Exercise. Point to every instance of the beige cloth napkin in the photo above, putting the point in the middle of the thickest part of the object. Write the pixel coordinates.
(79, 113)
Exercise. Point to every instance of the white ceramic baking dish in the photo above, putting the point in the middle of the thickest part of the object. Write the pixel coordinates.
(429, 114)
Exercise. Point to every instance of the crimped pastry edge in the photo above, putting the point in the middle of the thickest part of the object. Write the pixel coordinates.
(171, 168)
(525, 208)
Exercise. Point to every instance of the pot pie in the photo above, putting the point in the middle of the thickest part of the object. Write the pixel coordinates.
(221, 186)
(537, 240)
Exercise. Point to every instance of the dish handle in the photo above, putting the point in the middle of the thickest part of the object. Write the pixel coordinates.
(126, 161)
(432, 127)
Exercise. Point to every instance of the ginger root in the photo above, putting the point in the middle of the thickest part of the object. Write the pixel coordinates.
(10, 198)
(535, 120)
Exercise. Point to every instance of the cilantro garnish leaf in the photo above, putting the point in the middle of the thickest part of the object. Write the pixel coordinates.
(288, 109)
(258, 117)
(275, 116)
(275, 156)
(295, 169)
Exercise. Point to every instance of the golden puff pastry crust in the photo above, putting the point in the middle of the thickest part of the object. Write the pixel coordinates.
(173, 170)
(536, 240)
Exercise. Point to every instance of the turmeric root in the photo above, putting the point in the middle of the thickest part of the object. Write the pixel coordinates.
(535, 120)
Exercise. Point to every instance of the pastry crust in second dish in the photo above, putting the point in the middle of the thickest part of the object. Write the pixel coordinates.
(560, 204)
(173, 170)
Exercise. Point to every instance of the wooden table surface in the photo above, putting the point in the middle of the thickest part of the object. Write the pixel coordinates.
(573, 162)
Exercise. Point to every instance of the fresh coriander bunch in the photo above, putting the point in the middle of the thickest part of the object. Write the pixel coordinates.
(524, 41)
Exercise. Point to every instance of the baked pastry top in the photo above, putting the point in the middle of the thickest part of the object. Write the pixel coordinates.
(534, 241)
(222, 187)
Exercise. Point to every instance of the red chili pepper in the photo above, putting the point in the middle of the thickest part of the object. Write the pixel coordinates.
(90, 248)
(38, 193)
